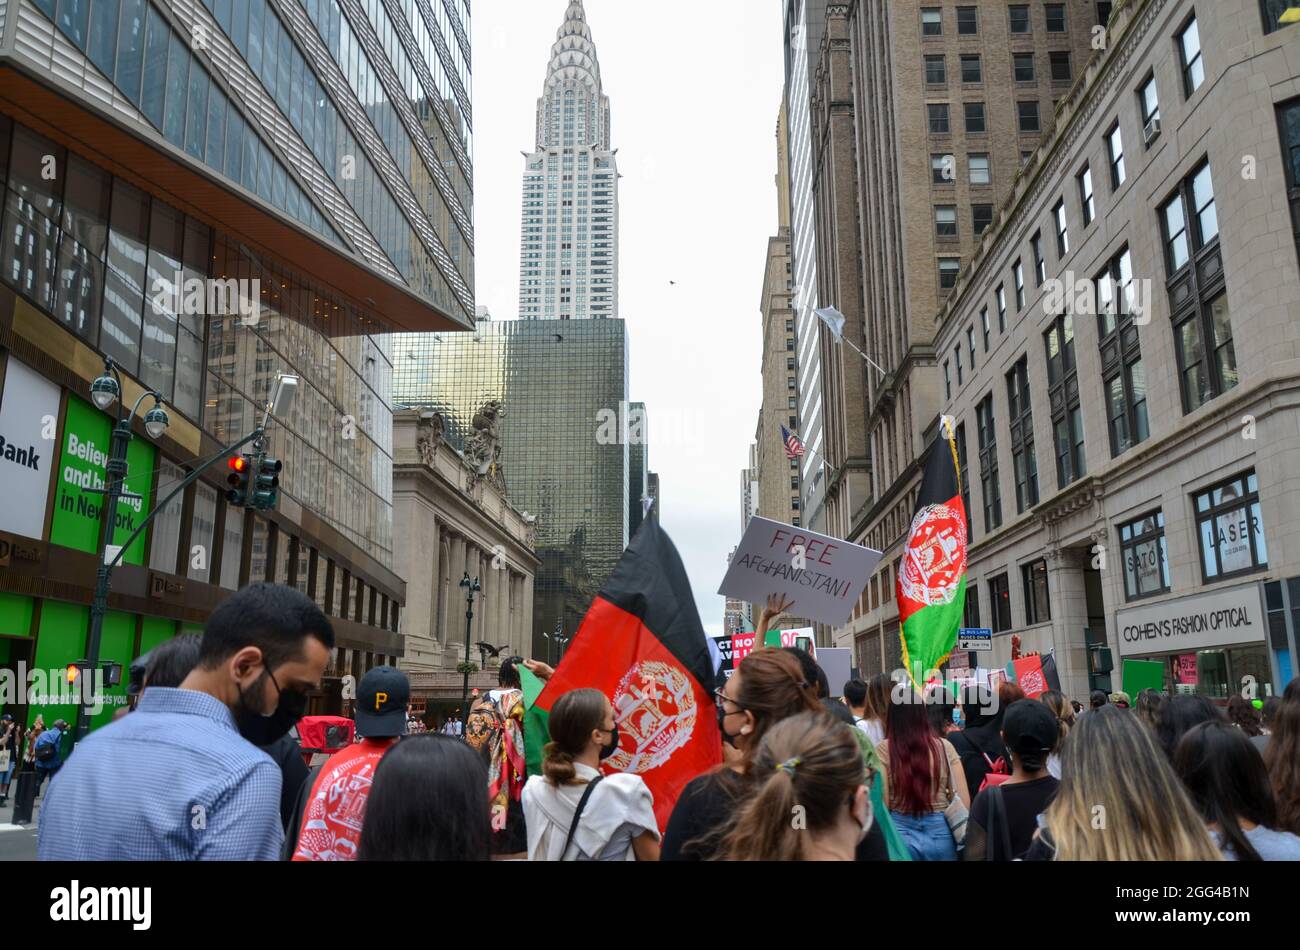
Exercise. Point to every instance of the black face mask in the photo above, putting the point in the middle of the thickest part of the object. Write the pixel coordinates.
(727, 737)
(262, 729)
(607, 750)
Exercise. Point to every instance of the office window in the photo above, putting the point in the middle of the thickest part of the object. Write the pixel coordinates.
(1146, 562)
(971, 70)
(1055, 17)
(976, 123)
(936, 70)
(1000, 603)
(79, 286)
(1019, 18)
(947, 380)
(1086, 202)
(1189, 52)
(1023, 67)
(989, 464)
(1062, 229)
(971, 613)
(942, 169)
(1018, 272)
(979, 169)
(1231, 529)
(1149, 98)
(1024, 460)
(938, 113)
(1002, 308)
(1040, 262)
(1038, 609)
(1060, 60)
(1272, 11)
(1115, 150)
(963, 470)
(968, 23)
(1028, 116)
(1063, 397)
(956, 355)
(945, 221)
(1123, 373)
(970, 345)
(949, 267)
(931, 21)
(981, 218)
(984, 324)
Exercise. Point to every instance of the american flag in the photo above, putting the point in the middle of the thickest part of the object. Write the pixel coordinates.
(793, 447)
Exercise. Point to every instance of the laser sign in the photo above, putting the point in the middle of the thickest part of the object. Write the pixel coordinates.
(824, 576)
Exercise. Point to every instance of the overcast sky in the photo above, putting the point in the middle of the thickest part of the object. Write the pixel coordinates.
(694, 92)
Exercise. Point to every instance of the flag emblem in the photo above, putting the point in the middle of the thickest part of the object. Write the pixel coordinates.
(794, 448)
(935, 562)
(655, 708)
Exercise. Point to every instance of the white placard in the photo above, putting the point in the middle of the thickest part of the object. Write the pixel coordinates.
(1184, 624)
(837, 664)
(824, 576)
(28, 418)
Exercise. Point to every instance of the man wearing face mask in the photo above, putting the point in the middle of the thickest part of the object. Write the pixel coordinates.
(181, 778)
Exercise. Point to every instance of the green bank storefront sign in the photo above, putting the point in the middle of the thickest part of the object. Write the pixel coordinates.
(79, 488)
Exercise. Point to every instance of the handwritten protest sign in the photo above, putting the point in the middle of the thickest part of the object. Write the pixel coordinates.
(824, 576)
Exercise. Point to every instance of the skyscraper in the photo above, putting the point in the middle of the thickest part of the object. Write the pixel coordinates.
(569, 244)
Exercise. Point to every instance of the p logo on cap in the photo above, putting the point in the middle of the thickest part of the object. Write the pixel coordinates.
(380, 699)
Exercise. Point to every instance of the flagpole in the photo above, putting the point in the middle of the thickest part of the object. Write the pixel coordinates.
(872, 362)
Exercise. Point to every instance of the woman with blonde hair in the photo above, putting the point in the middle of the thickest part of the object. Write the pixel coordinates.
(1119, 799)
(1063, 710)
(808, 766)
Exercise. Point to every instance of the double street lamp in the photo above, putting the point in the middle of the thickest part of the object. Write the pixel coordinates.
(104, 392)
(471, 588)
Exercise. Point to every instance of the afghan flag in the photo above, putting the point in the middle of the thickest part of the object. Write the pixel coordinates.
(932, 572)
(642, 645)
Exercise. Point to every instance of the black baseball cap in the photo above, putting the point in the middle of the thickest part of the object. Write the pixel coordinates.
(381, 703)
(1029, 727)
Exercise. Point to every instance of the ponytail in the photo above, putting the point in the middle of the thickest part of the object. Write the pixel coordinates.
(767, 827)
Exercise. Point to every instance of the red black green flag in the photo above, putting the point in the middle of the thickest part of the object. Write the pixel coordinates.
(931, 581)
(642, 645)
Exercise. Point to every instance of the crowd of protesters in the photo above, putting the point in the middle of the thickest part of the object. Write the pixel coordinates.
(205, 767)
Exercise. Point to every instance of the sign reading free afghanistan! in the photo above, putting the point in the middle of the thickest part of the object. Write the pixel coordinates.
(823, 576)
(29, 413)
(77, 504)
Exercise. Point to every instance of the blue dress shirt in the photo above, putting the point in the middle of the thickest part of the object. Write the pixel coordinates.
(171, 781)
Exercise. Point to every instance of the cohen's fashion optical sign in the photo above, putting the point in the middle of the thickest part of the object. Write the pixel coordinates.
(1222, 617)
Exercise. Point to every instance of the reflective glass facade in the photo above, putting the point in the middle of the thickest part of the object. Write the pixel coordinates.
(563, 439)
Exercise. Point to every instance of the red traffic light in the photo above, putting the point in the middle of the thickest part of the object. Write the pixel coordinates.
(237, 464)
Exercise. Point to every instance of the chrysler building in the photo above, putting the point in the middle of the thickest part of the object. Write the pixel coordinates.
(569, 244)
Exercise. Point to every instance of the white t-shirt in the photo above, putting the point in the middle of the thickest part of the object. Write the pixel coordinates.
(874, 730)
(621, 808)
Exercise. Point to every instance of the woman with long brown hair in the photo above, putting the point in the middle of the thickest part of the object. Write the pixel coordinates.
(809, 801)
(1119, 799)
(768, 686)
(1283, 759)
(1063, 710)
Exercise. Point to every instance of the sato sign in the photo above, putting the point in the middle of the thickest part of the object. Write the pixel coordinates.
(978, 640)
(823, 576)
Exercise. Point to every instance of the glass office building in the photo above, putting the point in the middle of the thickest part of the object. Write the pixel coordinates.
(564, 438)
(212, 194)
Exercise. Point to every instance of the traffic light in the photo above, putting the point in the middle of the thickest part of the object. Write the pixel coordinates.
(240, 470)
(75, 670)
(267, 492)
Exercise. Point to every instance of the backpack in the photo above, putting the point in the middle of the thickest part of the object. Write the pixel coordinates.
(47, 745)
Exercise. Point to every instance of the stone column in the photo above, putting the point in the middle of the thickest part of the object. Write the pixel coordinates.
(433, 571)
(516, 614)
(444, 593)
(1069, 602)
(455, 614)
(503, 607)
(526, 604)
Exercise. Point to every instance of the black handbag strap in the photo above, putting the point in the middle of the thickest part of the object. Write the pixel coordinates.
(998, 815)
(577, 815)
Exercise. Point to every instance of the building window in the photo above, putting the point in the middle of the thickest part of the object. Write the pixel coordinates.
(1023, 67)
(1123, 374)
(1231, 528)
(1018, 272)
(1028, 116)
(970, 345)
(1038, 608)
(931, 21)
(1207, 361)
(1019, 18)
(1189, 52)
(976, 123)
(1002, 308)
(971, 70)
(1272, 11)
(1146, 562)
(981, 217)
(1040, 262)
(1024, 460)
(1115, 150)
(949, 267)
(984, 325)
(989, 464)
(971, 614)
(979, 169)
(936, 70)
(968, 23)
(941, 169)
(1061, 71)
(956, 353)
(1086, 197)
(1062, 230)
(947, 380)
(1055, 17)
(963, 470)
(945, 221)
(1289, 122)
(1063, 394)
(1000, 603)
(938, 112)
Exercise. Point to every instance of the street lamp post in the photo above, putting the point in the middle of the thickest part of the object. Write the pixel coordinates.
(471, 588)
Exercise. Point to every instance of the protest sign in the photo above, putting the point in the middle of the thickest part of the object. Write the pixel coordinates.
(837, 664)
